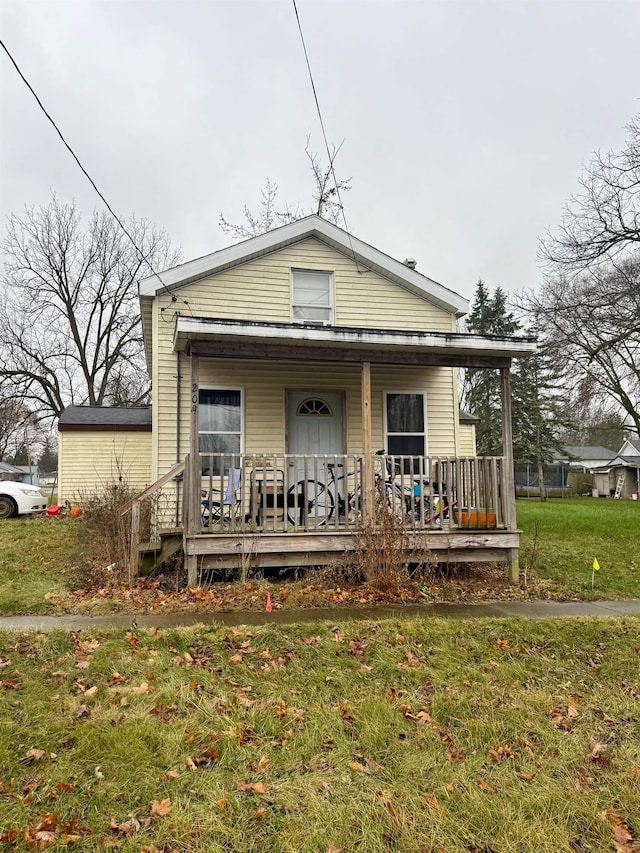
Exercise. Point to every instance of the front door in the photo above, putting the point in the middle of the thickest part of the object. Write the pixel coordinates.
(315, 429)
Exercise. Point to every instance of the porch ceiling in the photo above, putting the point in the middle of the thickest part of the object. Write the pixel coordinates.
(249, 339)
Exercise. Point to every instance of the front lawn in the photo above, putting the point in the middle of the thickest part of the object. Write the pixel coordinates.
(53, 566)
(562, 537)
(409, 735)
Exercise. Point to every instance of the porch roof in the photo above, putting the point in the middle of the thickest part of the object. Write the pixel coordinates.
(249, 339)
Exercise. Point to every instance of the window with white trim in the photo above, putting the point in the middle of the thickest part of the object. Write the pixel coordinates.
(406, 424)
(311, 296)
(219, 422)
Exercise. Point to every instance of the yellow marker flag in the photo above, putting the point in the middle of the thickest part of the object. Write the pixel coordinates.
(596, 565)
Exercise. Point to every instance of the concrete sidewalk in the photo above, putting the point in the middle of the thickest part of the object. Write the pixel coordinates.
(498, 609)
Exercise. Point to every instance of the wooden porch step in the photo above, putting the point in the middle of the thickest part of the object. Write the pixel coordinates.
(152, 554)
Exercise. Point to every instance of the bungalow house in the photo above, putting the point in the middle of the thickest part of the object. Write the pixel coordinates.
(280, 367)
(20, 473)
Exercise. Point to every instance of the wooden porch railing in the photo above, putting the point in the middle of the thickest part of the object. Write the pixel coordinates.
(291, 493)
(134, 506)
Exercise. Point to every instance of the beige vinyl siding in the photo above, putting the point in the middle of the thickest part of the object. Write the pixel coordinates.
(265, 383)
(261, 290)
(87, 461)
(466, 440)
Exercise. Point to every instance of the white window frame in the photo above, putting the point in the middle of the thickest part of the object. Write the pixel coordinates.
(415, 391)
(330, 306)
(217, 387)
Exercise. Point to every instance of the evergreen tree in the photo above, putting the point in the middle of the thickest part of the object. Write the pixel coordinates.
(481, 389)
(534, 404)
(48, 461)
(536, 411)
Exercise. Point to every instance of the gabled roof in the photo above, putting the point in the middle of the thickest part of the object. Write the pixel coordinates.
(116, 418)
(630, 447)
(7, 468)
(310, 226)
(595, 451)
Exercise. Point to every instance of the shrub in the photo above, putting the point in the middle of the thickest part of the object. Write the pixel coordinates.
(109, 528)
(385, 554)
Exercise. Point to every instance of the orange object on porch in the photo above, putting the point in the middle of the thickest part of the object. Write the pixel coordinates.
(269, 606)
(475, 518)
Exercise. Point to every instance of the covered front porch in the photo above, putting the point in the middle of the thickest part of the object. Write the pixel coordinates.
(292, 508)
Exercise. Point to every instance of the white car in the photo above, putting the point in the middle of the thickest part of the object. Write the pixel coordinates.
(20, 499)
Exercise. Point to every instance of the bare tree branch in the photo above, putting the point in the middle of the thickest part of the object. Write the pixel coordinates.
(326, 200)
(602, 221)
(69, 308)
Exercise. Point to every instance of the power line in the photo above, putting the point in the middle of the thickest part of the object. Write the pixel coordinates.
(324, 134)
(174, 298)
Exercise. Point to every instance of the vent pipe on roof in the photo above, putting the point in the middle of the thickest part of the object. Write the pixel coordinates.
(410, 262)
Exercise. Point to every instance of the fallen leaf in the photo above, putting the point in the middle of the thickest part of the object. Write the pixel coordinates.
(161, 807)
(583, 783)
(526, 777)
(572, 707)
(258, 814)
(598, 753)
(486, 787)
(170, 774)
(251, 787)
(43, 838)
(128, 827)
(32, 755)
(263, 764)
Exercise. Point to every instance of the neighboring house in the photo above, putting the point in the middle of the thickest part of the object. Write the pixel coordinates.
(467, 433)
(621, 473)
(587, 458)
(20, 473)
(280, 366)
(100, 445)
(10, 472)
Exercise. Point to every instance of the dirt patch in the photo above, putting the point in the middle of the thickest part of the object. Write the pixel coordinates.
(475, 583)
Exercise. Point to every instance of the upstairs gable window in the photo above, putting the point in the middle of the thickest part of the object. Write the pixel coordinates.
(312, 296)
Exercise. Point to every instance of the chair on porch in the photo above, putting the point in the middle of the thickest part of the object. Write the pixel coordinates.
(229, 506)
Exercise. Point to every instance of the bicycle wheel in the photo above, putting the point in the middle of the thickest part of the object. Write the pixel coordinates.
(309, 503)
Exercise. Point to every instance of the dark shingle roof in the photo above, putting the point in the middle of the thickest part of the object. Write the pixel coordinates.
(467, 417)
(106, 417)
(590, 452)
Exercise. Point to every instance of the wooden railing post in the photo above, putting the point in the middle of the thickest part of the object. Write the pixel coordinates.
(508, 474)
(134, 553)
(194, 468)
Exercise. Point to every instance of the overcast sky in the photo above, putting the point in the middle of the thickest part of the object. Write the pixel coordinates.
(466, 124)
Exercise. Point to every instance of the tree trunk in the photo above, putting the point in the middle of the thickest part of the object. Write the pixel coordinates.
(543, 491)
